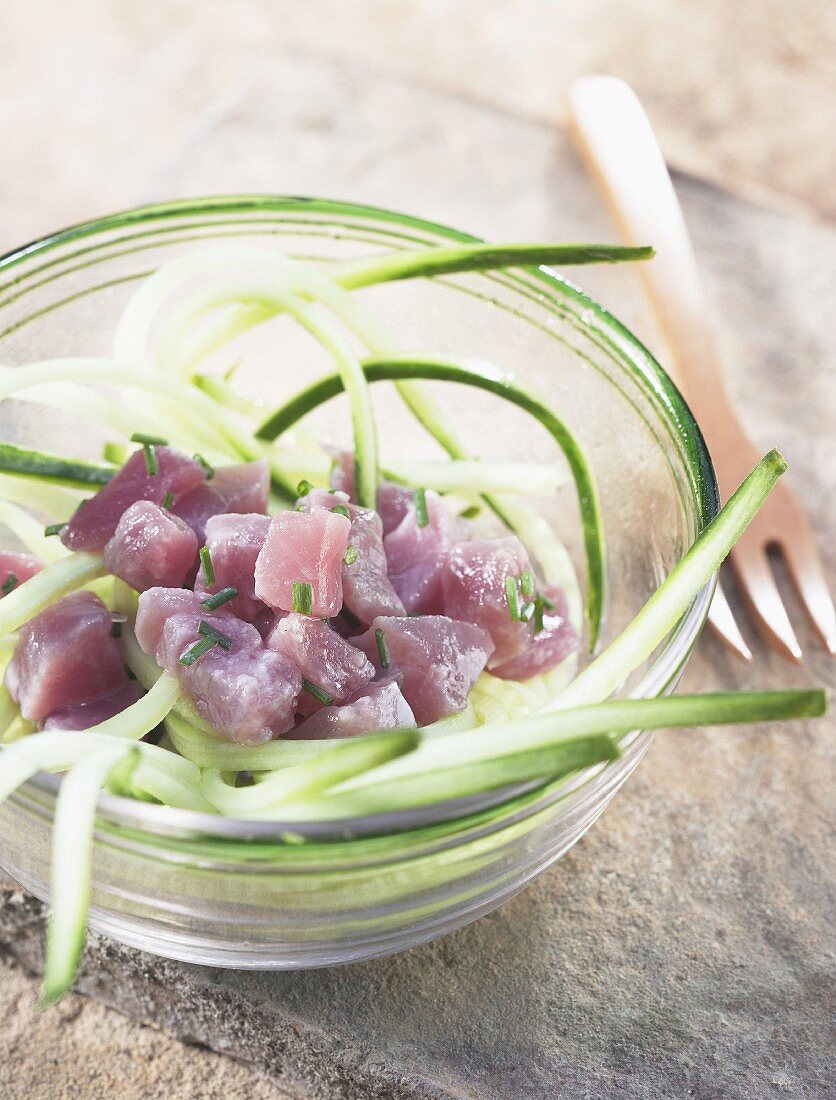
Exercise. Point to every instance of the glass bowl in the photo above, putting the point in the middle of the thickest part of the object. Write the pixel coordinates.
(256, 895)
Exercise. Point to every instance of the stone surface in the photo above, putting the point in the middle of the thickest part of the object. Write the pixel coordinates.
(684, 946)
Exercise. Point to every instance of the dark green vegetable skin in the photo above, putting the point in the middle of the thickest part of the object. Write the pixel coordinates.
(379, 370)
(72, 472)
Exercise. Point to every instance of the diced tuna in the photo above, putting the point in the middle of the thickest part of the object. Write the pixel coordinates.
(81, 716)
(435, 660)
(245, 487)
(306, 547)
(322, 657)
(247, 692)
(234, 543)
(367, 591)
(546, 648)
(65, 656)
(379, 707)
(473, 582)
(197, 507)
(416, 556)
(150, 547)
(18, 566)
(95, 520)
(392, 500)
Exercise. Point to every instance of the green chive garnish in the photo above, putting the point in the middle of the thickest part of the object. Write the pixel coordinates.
(197, 650)
(149, 440)
(318, 693)
(303, 488)
(209, 631)
(10, 583)
(54, 529)
(212, 603)
(302, 596)
(471, 512)
(351, 555)
(382, 647)
(341, 510)
(206, 562)
(116, 630)
(538, 615)
(512, 593)
(421, 513)
(168, 500)
(151, 463)
(350, 618)
(208, 469)
(527, 582)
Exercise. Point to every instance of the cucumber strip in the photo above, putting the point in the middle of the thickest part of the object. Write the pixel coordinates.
(72, 850)
(144, 715)
(31, 533)
(208, 749)
(357, 754)
(537, 479)
(116, 453)
(48, 498)
(454, 371)
(8, 710)
(17, 729)
(149, 778)
(31, 597)
(673, 597)
(23, 462)
(540, 747)
(228, 396)
(435, 260)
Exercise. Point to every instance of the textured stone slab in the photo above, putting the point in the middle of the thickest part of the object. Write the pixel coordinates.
(684, 946)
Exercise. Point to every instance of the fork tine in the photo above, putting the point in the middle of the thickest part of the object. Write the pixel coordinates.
(722, 619)
(754, 575)
(806, 570)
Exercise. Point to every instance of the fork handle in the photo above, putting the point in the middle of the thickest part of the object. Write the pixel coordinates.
(617, 143)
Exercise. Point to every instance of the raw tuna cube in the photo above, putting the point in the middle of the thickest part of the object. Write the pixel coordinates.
(379, 707)
(435, 660)
(21, 566)
(81, 716)
(234, 543)
(247, 692)
(95, 520)
(548, 647)
(367, 591)
(416, 556)
(392, 500)
(197, 507)
(307, 547)
(323, 658)
(65, 656)
(473, 582)
(243, 488)
(150, 547)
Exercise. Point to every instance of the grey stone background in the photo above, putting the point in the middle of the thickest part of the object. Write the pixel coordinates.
(684, 947)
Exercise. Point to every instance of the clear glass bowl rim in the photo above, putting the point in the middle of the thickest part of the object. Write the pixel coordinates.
(138, 818)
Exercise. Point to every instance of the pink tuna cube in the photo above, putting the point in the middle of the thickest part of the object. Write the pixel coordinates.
(304, 547)
(323, 657)
(435, 660)
(546, 648)
(95, 520)
(416, 555)
(65, 656)
(234, 543)
(151, 547)
(81, 716)
(378, 707)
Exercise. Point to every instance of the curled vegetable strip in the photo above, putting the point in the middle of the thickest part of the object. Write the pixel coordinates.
(72, 850)
(36, 594)
(30, 532)
(53, 500)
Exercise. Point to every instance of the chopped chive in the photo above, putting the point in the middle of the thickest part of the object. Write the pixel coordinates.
(547, 603)
(414, 614)
(149, 440)
(168, 500)
(538, 615)
(193, 653)
(527, 582)
(302, 596)
(382, 647)
(151, 463)
(318, 693)
(54, 529)
(470, 512)
(10, 583)
(209, 631)
(351, 555)
(212, 603)
(116, 630)
(208, 468)
(350, 618)
(527, 610)
(206, 562)
(421, 513)
(512, 593)
(341, 510)
(303, 488)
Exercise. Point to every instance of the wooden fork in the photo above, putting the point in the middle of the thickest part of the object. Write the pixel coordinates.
(615, 139)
